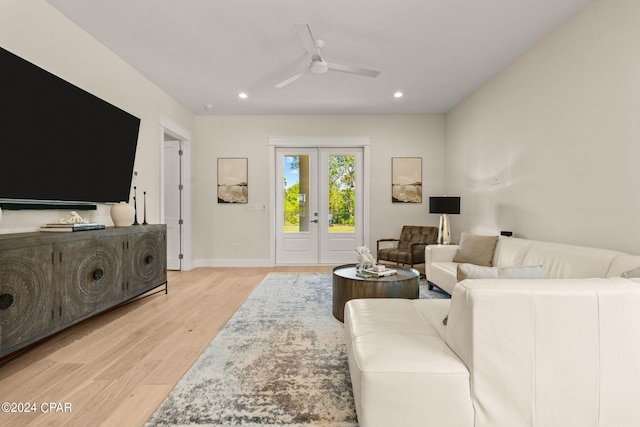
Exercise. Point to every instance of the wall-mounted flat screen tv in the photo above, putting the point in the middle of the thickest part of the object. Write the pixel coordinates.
(59, 143)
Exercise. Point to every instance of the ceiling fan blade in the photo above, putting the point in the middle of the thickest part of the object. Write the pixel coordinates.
(308, 41)
(353, 70)
(292, 78)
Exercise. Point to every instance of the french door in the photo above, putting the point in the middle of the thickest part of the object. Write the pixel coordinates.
(319, 204)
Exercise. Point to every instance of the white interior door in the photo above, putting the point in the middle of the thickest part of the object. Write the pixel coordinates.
(319, 205)
(172, 203)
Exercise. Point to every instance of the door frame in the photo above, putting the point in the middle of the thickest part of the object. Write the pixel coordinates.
(169, 127)
(175, 146)
(318, 142)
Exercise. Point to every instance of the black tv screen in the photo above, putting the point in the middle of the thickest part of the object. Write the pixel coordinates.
(59, 142)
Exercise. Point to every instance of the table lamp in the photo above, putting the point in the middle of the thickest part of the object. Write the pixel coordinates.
(444, 206)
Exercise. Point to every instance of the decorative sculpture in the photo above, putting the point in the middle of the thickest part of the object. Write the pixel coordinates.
(75, 219)
(365, 259)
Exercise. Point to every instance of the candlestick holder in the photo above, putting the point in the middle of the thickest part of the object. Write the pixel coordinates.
(135, 207)
(144, 196)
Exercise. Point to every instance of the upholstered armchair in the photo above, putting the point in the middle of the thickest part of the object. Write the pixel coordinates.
(409, 249)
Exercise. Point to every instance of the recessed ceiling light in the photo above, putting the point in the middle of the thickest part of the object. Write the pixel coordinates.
(208, 107)
(398, 94)
(243, 95)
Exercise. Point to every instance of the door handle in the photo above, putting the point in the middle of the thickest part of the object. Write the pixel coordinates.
(314, 220)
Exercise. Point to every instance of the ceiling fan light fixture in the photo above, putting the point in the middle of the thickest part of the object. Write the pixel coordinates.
(319, 67)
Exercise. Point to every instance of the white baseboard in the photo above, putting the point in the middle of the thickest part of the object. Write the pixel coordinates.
(230, 262)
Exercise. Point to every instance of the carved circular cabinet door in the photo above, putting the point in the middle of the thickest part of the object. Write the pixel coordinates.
(22, 296)
(147, 253)
(96, 274)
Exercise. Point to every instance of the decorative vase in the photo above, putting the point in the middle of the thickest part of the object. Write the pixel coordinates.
(122, 214)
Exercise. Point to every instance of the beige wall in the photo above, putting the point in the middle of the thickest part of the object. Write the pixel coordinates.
(38, 33)
(560, 129)
(218, 227)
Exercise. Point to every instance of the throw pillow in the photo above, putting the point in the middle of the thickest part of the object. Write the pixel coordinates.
(470, 271)
(476, 249)
(631, 273)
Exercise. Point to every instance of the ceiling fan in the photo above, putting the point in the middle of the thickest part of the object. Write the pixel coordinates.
(318, 64)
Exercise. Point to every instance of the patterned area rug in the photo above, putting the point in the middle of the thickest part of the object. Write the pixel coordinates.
(280, 360)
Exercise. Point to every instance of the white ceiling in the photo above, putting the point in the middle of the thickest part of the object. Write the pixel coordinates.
(207, 51)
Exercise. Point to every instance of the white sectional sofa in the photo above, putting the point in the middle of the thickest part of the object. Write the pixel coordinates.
(514, 353)
(560, 261)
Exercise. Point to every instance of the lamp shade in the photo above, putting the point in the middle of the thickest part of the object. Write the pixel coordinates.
(444, 205)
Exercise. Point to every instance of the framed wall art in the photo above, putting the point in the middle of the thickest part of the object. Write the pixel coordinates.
(232, 180)
(406, 179)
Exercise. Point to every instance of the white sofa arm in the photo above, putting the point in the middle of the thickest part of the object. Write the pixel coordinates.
(561, 343)
(437, 253)
(440, 252)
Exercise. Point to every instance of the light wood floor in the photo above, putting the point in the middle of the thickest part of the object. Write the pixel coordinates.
(116, 369)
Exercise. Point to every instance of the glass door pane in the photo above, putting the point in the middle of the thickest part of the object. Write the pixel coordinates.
(341, 191)
(296, 193)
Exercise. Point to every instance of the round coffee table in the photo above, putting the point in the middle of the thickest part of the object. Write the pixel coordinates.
(347, 285)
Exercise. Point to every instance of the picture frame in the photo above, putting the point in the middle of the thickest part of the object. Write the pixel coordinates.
(233, 184)
(406, 179)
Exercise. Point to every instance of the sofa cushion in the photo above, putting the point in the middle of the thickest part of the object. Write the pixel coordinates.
(563, 261)
(471, 271)
(379, 316)
(402, 256)
(476, 249)
(403, 380)
(510, 251)
(402, 372)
